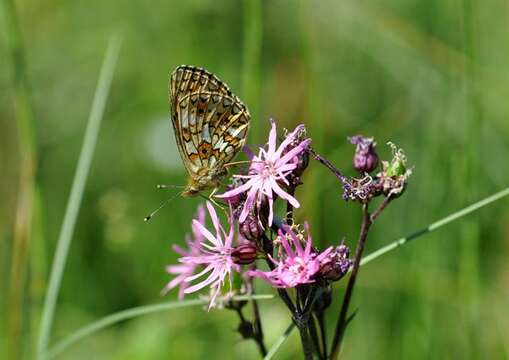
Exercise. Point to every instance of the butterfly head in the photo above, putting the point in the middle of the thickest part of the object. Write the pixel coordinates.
(207, 181)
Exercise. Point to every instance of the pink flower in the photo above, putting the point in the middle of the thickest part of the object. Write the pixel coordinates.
(183, 271)
(215, 254)
(296, 264)
(268, 171)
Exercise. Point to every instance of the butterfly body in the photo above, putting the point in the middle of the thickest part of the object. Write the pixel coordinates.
(210, 124)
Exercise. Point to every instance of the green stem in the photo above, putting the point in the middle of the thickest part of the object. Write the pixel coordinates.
(279, 342)
(436, 225)
(78, 186)
(17, 315)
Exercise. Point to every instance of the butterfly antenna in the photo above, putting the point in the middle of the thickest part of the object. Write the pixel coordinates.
(151, 215)
(169, 186)
(237, 163)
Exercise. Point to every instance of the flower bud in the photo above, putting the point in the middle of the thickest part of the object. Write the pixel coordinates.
(336, 265)
(244, 254)
(365, 159)
(251, 228)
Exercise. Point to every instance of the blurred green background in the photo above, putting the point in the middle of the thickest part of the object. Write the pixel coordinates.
(431, 76)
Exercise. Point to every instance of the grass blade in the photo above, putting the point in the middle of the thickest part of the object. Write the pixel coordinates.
(78, 185)
(132, 313)
(279, 342)
(436, 225)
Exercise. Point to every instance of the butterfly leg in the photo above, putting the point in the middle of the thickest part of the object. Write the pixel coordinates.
(216, 203)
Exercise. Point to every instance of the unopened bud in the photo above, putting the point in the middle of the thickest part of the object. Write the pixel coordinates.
(244, 254)
(336, 265)
(365, 159)
(251, 228)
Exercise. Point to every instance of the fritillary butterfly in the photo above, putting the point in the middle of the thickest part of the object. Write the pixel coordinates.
(210, 124)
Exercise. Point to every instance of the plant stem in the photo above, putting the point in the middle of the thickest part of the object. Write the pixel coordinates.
(381, 208)
(323, 331)
(328, 165)
(257, 324)
(340, 325)
(17, 315)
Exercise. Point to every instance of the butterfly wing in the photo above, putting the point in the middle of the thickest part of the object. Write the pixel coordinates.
(212, 129)
(186, 79)
(210, 123)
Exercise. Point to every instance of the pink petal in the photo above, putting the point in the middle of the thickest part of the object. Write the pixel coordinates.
(208, 234)
(213, 216)
(272, 139)
(283, 194)
(201, 273)
(240, 189)
(290, 154)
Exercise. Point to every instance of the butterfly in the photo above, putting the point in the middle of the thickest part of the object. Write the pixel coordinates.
(210, 124)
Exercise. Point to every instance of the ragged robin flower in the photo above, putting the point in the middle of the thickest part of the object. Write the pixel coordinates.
(268, 172)
(183, 271)
(297, 262)
(214, 255)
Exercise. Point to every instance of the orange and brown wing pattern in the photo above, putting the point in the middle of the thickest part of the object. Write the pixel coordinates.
(210, 123)
(212, 130)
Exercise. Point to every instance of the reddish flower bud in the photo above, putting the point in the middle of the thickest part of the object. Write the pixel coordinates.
(251, 228)
(244, 254)
(337, 263)
(365, 159)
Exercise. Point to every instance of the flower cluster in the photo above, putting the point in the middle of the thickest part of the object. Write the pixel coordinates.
(257, 244)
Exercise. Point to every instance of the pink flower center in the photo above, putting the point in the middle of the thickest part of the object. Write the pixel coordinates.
(268, 169)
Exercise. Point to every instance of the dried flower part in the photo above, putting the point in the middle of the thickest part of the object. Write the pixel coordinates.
(244, 254)
(336, 264)
(251, 228)
(394, 176)
(361, 190)
(365, 159)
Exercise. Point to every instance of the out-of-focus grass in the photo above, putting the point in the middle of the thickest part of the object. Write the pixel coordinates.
(397, 70)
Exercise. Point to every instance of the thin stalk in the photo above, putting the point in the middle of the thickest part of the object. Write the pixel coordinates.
(328, 165)
(78, 186)
(314, 336)
(127, 314)
(16, 314)
(279, 342)
(436, 225)
(257, 322)
(343, 315)
(320, 316)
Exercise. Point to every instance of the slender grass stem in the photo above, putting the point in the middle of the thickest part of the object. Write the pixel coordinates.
(123, 315)
(343, 314)
(27, 186)
(436, 225)
(279, 342)
(78, 186)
